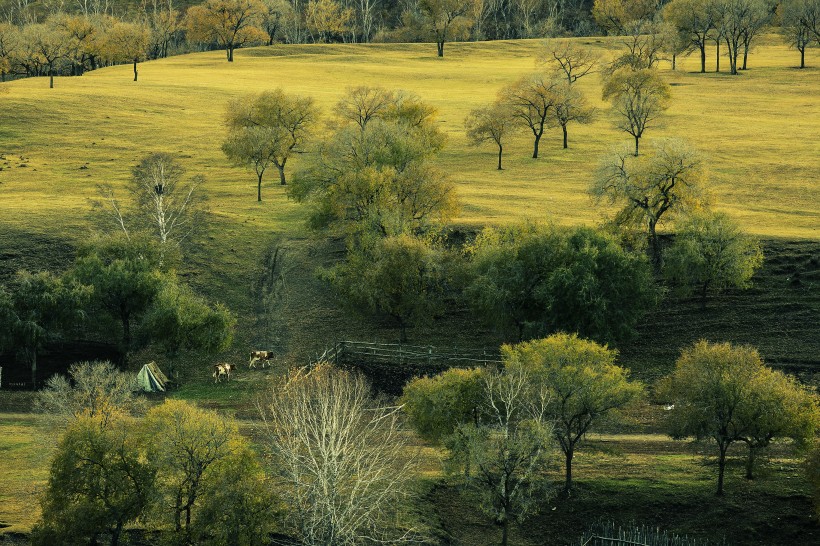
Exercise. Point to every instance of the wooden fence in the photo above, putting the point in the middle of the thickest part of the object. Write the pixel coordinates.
(390, 366)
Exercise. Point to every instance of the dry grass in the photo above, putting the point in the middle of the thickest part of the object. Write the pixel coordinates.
(25, 452)
(761, 132)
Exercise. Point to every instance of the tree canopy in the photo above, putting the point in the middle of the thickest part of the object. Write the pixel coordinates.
(539, 279)
(583, 384)
(710, 253)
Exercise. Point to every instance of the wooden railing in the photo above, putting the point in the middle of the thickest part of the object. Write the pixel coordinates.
(395, 353)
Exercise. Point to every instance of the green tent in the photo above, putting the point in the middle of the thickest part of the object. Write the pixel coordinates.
(151, 379)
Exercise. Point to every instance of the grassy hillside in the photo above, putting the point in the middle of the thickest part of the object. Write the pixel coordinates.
(760, 132)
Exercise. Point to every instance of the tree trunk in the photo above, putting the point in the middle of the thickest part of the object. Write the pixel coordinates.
(745, 57)
(259, 189)
(282, 181)
(721, 468)
(568, 477)
(802, 60)
(564, 128)
(505, 531)
(655, 245)
(674, 61)
(750, 462)
(33, 360)
(126, 329)
(115, 534)
(637, 140)
(717, 56)
(440, 48)
(135, 70)
(50, 78)
(703, 58)
(535, 147)
(230, 54)
(500, 149)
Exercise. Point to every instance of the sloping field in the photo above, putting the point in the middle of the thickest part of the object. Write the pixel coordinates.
(760, 131)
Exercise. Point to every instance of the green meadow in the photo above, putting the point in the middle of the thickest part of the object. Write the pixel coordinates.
(759, 133)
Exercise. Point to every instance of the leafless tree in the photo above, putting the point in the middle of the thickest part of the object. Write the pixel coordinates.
(570, 59)
(340, 457)
(531, 99)
(638, 97)
(163, 202)
(363, 103)
(489, 124)
(668, 180)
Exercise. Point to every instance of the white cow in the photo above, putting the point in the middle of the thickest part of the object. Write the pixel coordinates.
(223, 369)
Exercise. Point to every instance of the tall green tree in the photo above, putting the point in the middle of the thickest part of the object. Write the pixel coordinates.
(268, 129)
(126, 277)
(38, 308)
(181, 320)
(778, 406)
(711, 385)
(710, 253)
(399, 276)
(583, 383)
(190, 448)
(98, 483)
(443, 408)
(378, 180)
(538, 279)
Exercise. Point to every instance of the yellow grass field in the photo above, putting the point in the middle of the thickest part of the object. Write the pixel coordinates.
(760, 132)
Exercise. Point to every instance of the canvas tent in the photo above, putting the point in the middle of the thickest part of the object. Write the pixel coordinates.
(151, 379)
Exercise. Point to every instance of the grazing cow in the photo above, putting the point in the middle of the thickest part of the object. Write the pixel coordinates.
(264, 356)
(222, 369)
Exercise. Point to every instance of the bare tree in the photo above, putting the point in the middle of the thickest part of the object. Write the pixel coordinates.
(638, 97)
(167, 204)
(570, 59)
(163, 202)
(570, 106)
(695, 20)
(510, 451)
(531, 99)
(340, 457)
(801, 25)
(489, 124)
(363, 103)
(669, 179)
(96, 389)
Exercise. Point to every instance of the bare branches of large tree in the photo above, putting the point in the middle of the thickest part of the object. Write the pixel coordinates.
(340, 458)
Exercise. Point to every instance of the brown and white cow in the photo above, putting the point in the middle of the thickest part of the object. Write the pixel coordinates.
(223, 369)
(261, 356)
